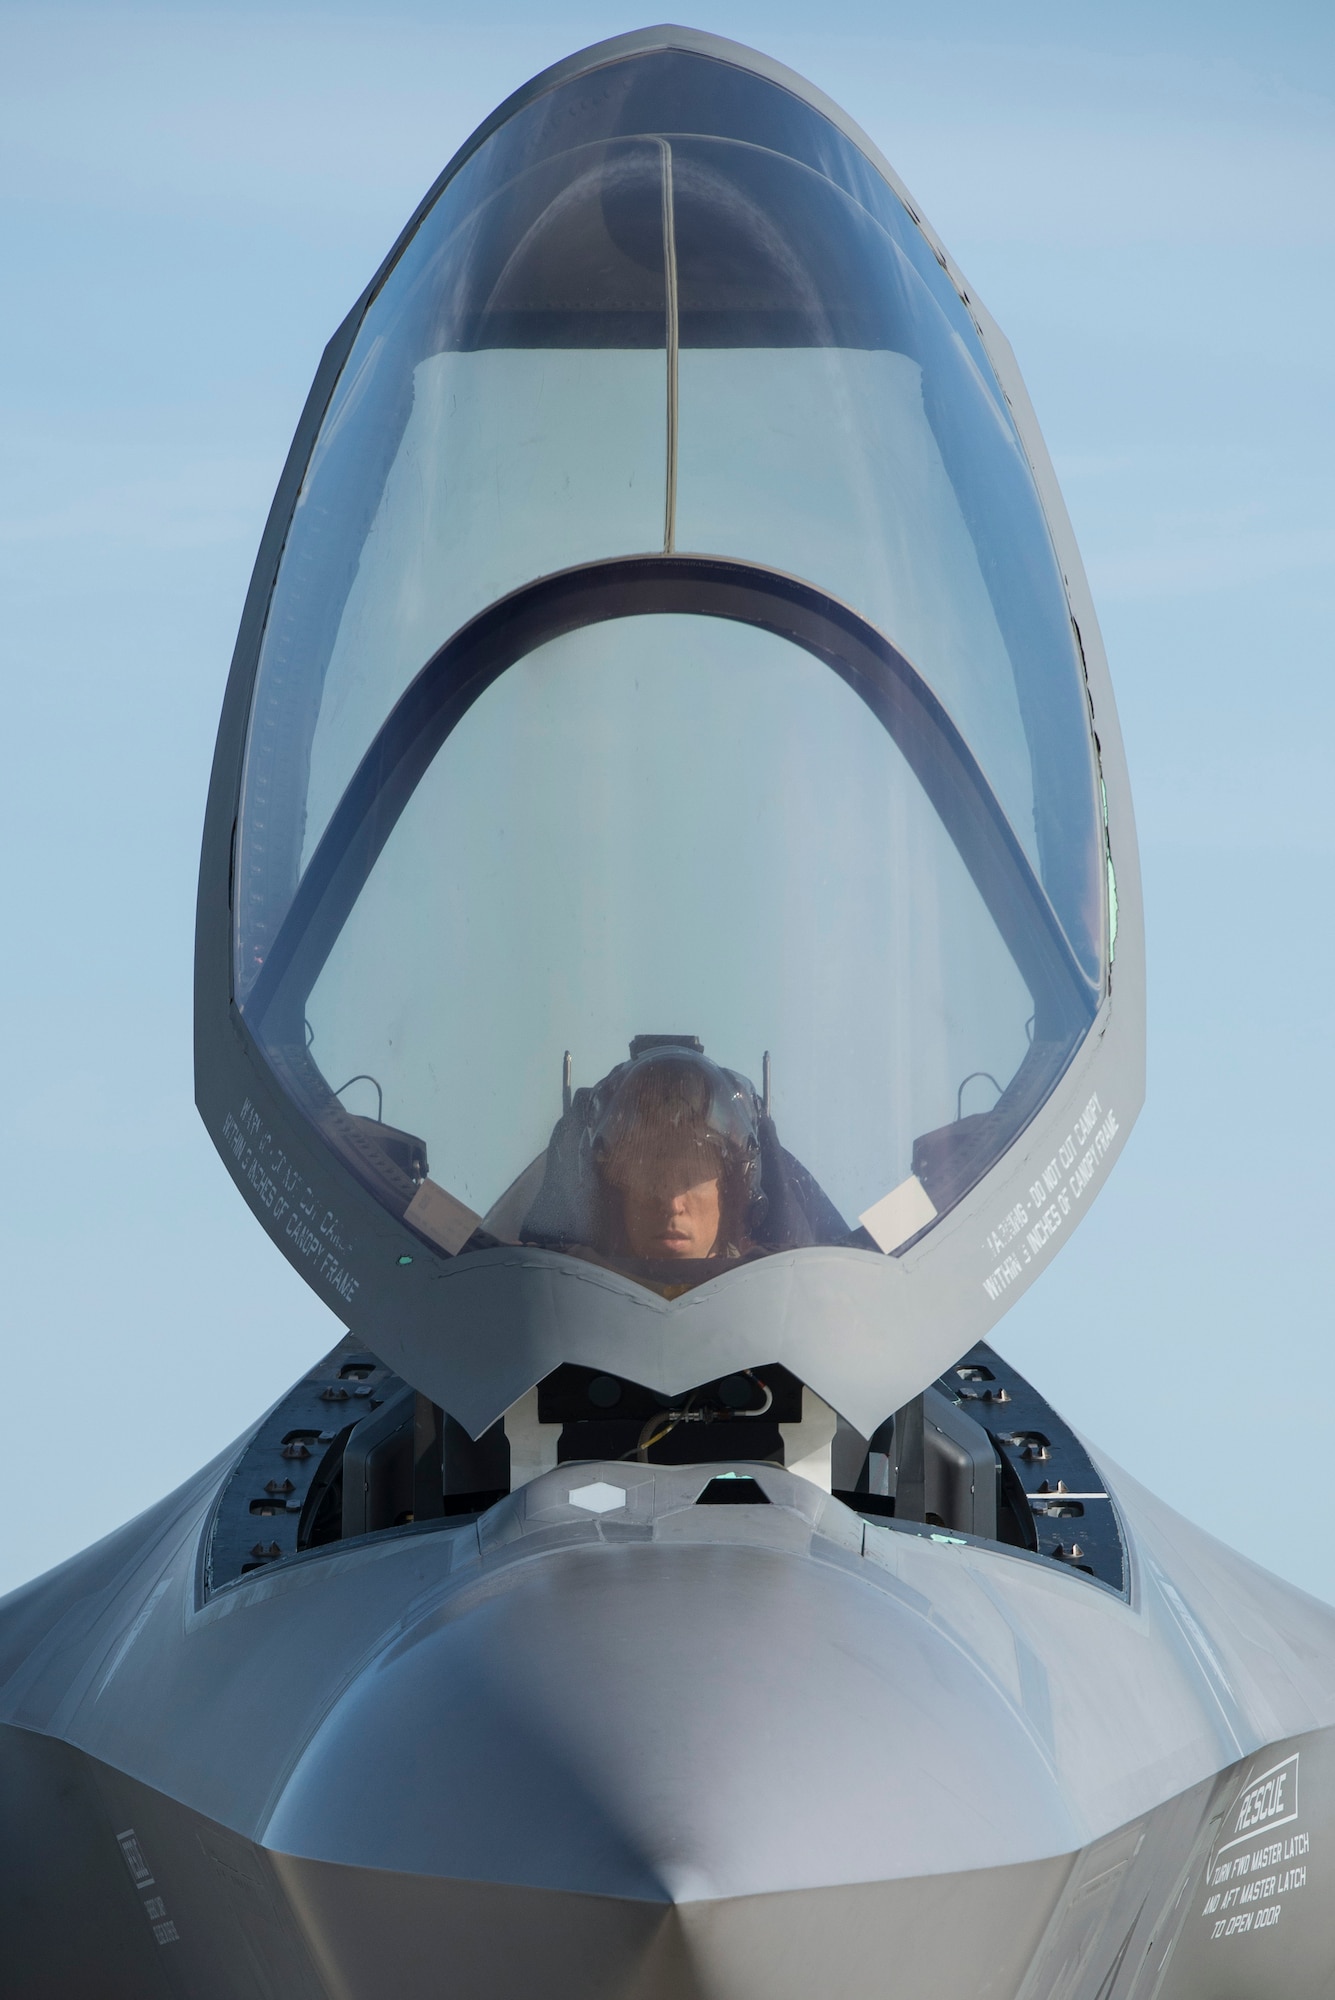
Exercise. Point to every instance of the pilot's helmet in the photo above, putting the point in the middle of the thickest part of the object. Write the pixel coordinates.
(670, 1119)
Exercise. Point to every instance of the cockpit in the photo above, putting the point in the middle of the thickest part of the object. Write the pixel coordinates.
(670, 903)
(668, 633)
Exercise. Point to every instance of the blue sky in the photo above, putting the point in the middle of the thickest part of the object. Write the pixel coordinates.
(190, 198)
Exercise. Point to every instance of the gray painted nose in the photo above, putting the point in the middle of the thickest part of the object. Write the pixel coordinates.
(674, 1768)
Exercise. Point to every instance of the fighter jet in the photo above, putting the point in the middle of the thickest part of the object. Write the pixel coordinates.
(669, 976)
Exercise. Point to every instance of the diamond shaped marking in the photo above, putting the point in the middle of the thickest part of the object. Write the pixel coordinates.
(600, 1498)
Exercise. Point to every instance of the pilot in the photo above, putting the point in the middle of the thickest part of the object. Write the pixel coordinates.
(670, 1165)
(671, 1159)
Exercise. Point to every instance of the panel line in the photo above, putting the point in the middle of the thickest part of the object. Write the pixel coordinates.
(670, 290)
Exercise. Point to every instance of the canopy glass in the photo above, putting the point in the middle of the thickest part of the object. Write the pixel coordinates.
(668, 656)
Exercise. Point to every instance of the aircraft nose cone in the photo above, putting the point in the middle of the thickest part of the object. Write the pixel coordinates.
(672, 1769)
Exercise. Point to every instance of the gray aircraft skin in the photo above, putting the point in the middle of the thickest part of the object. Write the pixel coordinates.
(667, 621)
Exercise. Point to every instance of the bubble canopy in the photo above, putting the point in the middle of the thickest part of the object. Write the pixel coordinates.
(667, 697)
